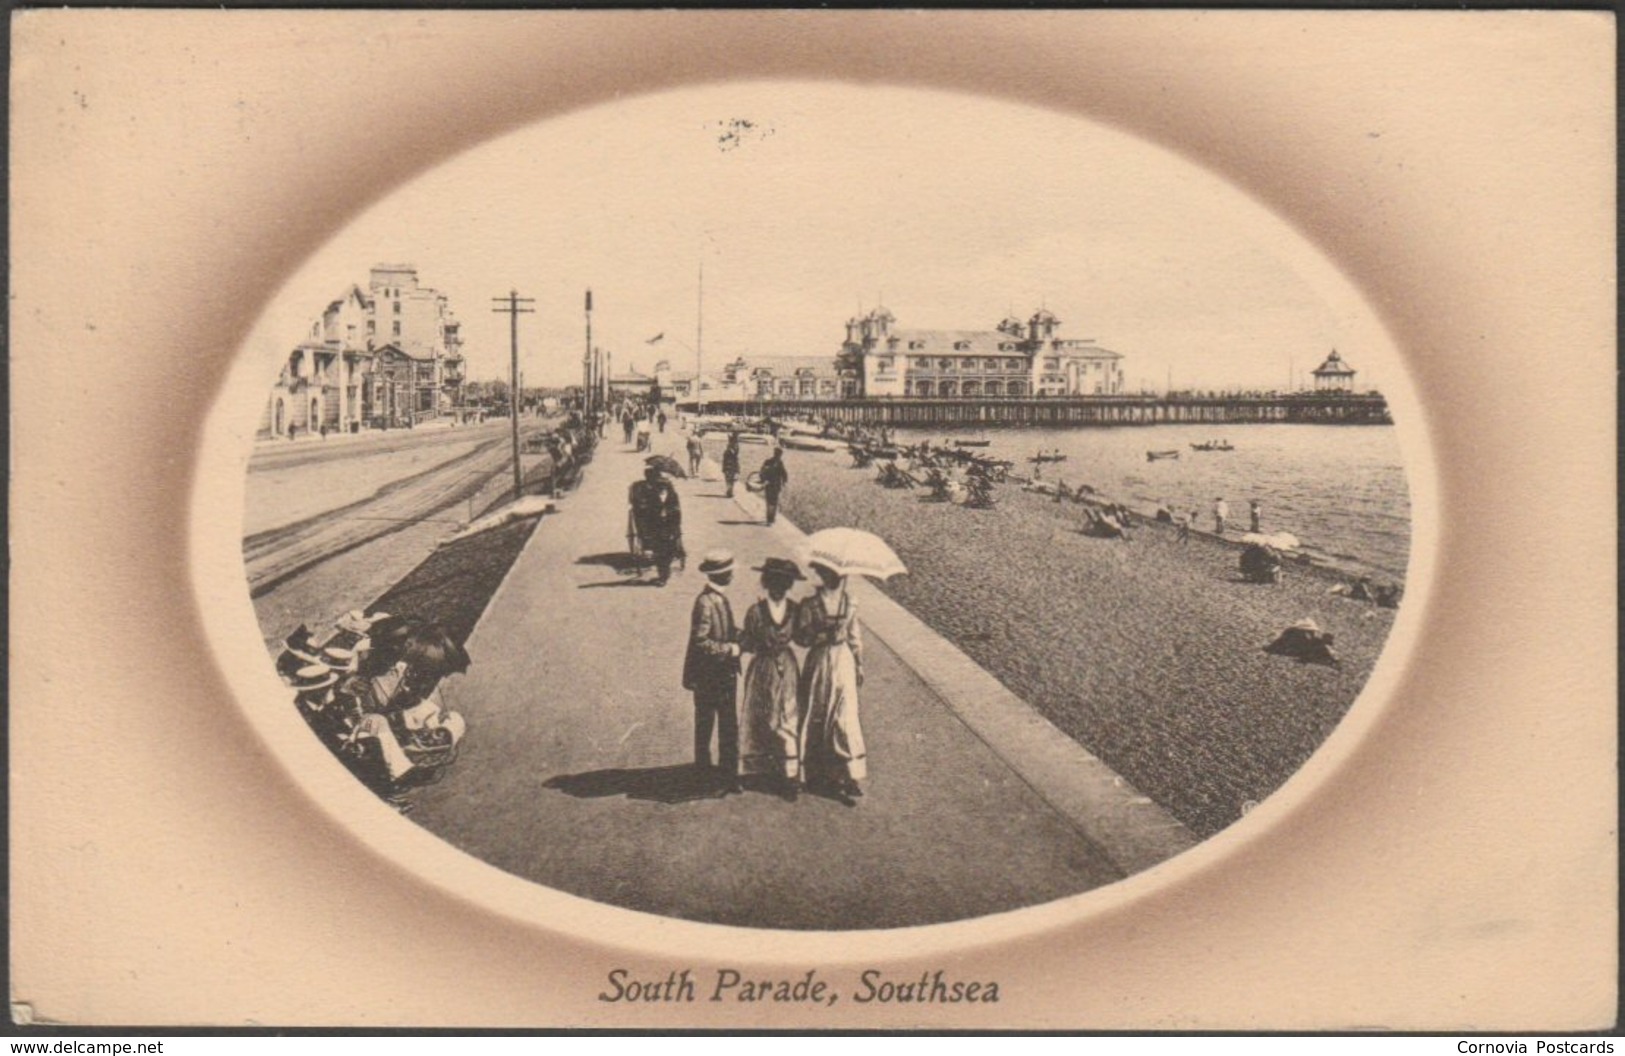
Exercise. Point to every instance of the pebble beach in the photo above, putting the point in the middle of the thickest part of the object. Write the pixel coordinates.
(1148, 652)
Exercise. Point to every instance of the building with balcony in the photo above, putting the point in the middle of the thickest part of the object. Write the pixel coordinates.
(388, 355)
(878, 358)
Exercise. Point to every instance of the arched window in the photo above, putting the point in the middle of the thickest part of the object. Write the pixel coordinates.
(923, 388)
(1018, 388)
(948, 388)
(995, 388)
(973, 388)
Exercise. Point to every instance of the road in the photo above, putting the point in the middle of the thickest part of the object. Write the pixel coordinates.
(314, 501)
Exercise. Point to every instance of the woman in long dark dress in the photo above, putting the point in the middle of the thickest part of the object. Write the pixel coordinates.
(771, 726)
(833, 755)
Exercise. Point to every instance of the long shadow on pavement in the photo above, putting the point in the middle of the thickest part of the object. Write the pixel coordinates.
(619, 560)
(683, 783)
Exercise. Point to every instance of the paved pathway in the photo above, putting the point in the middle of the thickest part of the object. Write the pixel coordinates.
(575, 770)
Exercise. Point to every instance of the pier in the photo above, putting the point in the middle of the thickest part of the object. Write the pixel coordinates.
(1217, 409)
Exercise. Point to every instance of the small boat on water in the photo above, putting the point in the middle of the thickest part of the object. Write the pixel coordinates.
(971, 443)
(1047, 458)
(1153, 456)
(1214, 445)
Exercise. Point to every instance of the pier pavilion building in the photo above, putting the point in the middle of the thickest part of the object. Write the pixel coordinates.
(1334, 375)
(878, 358)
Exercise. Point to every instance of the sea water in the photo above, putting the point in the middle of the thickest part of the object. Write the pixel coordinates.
(1340, 489)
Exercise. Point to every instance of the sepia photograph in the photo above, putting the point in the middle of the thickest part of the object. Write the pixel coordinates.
(972, 606)
(807, 520)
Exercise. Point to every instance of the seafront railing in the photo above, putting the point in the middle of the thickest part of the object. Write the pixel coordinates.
(986, 411)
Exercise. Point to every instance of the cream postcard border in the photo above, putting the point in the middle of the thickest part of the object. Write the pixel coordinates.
(171, 170)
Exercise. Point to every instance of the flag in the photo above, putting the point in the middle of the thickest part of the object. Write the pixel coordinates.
(656, 339)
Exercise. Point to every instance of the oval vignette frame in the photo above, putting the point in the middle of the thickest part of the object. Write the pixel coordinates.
(218, 586)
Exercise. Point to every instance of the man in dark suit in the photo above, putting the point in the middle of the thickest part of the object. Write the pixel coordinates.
(711, 670)
(774, 478)
(657, 519)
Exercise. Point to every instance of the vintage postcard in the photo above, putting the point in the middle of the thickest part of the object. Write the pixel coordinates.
(804, 520)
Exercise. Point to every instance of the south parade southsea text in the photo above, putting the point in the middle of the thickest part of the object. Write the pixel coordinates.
(872, 986)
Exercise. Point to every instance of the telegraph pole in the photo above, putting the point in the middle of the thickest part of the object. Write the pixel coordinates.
(589, 395)
(514, 305)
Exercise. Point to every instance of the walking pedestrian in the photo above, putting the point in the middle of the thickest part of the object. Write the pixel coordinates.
(730, 462)
(1221, 512)
(711, 670)
(774, 478)
(833, 756)
(771, 728)
(627, 424)
(644, 434)
(657, 520)
(696, 452)
(1256, 512)
(660, 417)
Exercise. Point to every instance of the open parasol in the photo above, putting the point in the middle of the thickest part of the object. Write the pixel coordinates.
(432, 652)
(666, 464)
(852, 551)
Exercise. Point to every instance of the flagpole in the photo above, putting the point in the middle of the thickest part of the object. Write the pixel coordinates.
(699, 348)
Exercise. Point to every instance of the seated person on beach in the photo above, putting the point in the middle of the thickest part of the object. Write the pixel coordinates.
(1261, 564)
(1100, 525)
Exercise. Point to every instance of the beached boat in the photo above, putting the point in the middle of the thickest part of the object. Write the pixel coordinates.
(797, 443)
(1153, 456)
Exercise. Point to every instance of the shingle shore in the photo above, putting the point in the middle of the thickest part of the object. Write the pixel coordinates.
(1148, 652)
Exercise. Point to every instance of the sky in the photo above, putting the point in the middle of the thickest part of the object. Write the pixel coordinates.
(805, 204)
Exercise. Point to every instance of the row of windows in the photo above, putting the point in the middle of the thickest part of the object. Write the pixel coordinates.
(964, 346)
(792, 387)
(968, 388)
(967, 363)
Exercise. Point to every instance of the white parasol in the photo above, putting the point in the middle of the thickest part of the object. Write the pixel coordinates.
(852, 551)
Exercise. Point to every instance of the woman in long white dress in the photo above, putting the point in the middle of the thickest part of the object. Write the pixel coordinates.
(771, 726)
(832, 749)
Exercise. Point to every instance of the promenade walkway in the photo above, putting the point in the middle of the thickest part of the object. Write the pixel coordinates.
(575, 770)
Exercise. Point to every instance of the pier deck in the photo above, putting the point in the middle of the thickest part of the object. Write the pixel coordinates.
(1218, 409)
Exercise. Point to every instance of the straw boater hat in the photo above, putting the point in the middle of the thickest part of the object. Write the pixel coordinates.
(314, 677)
(299, 646)
(357, 622)
(778, 566)
(717, 562)
(338, 657)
